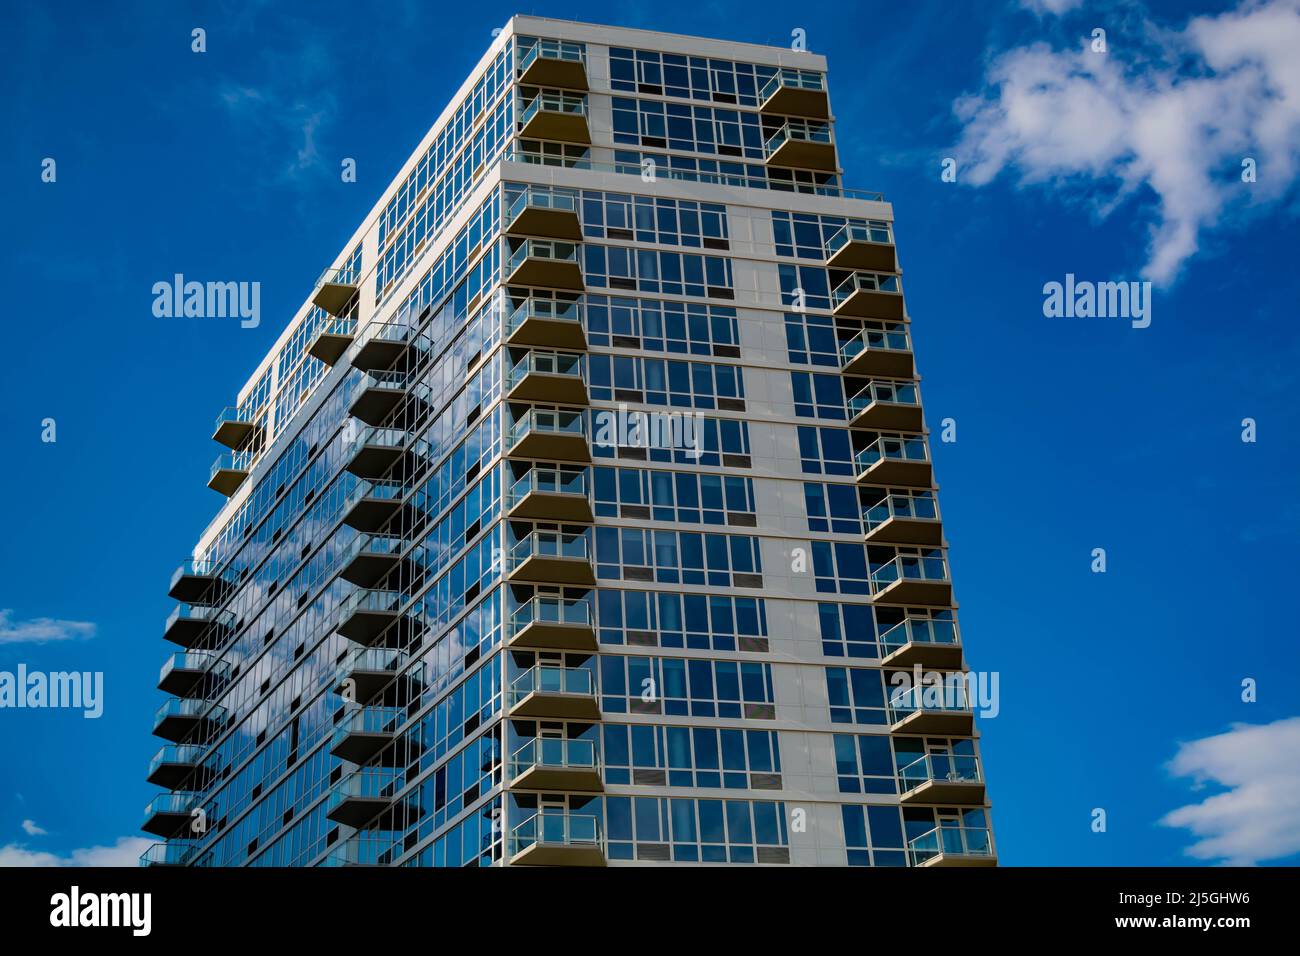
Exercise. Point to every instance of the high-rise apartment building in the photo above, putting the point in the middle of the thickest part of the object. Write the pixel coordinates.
(584, 513)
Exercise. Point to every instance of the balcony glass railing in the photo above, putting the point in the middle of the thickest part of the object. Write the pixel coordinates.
(369, 783)
(550, 544)
(183, 755)
(952, 697)
(867, 230)
(378, 545)
(553, 679)
(234, 416)
(546, 363)
(167, 854)
(544, 609)
(380, 489)
(792, 79)
(918, 630)
(238, 461)
(549, 249)
(959, 841)
(336, 277)
(389, 379)
(362, 849)
(190, 661)
(371, 600)
(892, 449)
(373, 659)
(548, 422)
(370, 720)
(381, 437)
(548, 310)
(556, 829)
(920, 507)
(797, 132)
(189, 709)
(169, 803)
(890, 393)
(875, 340)
(218, 619)
(910, 567)
(344, 326)
(400, 333)
(195, 569)
(554, 752)
(539, 197)
(549, 481)
(950, 768)
(864, 282)
(553, 103)
(552, 50)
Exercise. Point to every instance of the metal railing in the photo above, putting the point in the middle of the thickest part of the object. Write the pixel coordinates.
(921, 507)
(865, 230)
(910, 567)
(556, 829)
(548, 421)
(550, 481)
(950, 768)
(892, 449)
(864, 282)
(883, 390)
(916, 630)
(552, 679)
(797, 131)
(875, 340)
(544, 609)
(549, 310)
(572, 104)
(552, 250)
(794, 79)
(958, 841)
(560, 753)
(553, 50)
(550, 544)
(546, 363)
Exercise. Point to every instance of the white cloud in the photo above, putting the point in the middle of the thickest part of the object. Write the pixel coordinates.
(1056, 7)
(31, 829)
(125, 852)
(1173, 111)
(41, 630)
(1258, 817)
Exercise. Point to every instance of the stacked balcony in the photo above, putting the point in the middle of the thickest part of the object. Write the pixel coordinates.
(802, 145)
(942, 779)
(380, 345)
(883, 348)
(334, 291)
(545, 263)
(790, 92)
(895, 460)
(191, 625)
(178, 767)
(542, 212)
(913, 579)
(554, 115)
(229, 471)
(555, 764)
(904, 519)
(235, 428)
(548, 323)
(167, 854)
(198, 582)
(377, 451)
(862, 244)
(372, 504)
(554, 63)
(550, 434)
(938, 710)
(552, 557)
(915, 640)
(180, 719)
(952, 846)
(868, 295)
(886, 405)
(377, 395)
(553, 692)
(366, 733)
(168, 815)
(332, 338)
(363, 795)
(557, 839)
(550, 493)
(552, 377)
(366, 671)
(547, 621)
(366, 616)
(185, 671)
(370, 557)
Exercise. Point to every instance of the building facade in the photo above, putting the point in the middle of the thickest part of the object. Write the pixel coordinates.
(584, 513)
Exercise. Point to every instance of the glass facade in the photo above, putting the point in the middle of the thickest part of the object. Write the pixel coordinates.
(585, 514)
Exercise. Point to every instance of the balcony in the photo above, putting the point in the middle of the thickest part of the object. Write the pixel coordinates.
(361, 796)
(377, 394)
(557, 839)
(369, 670)
(550, 434)
(868, 295)
(547, 377)
(370, 557)
(553, 623)
(802, 145)
(555, 764)
(372, 504)
(184, 672)
(177, 767)
(552, 557)
(378, 450)
(886, 350)
(548, 323)
(553, 692)
(942, 711)
(543, 212)
(332, 339)
(895, 460)
(235, 427)
(551, 494)
(168, 814)
(863, 244)
(792, 92)
(952, 846)
(548, 263)
(364, 850)
(334, 290)
(554, 63)
(555, 116)
(177, 719)
(167, 854)
(365, 616)
(913, 579)
(228, 472)
(917, 640)
(190, 624)
(381, 344)
(198, 582)
(364, 733)
(904, 519)
(940, 779)
(886, 405)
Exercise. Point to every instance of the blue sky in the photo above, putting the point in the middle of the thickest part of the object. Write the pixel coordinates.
(1072, 434)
